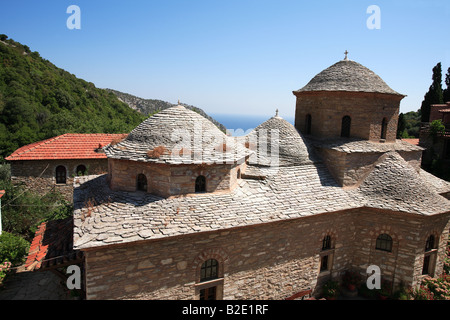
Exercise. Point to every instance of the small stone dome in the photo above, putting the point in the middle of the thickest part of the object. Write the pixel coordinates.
(350, 76)
(292, 149)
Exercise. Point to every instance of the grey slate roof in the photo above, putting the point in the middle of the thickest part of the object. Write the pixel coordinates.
(286, 193)
(277, 142)
(349, 145)
(347, 75)
(395, 185)
(121, 217)
(178, 128)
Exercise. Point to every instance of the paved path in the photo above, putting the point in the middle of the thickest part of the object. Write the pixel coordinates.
(43, 285)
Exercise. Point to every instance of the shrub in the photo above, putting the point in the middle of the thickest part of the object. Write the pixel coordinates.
(13, 248)
(4, 268)
(330, 289)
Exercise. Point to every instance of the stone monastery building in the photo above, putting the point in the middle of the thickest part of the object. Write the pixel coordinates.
(186, 212)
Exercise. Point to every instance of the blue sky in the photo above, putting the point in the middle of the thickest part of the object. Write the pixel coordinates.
(234, 57)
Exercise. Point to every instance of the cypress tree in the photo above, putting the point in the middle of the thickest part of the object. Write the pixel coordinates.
(446, 92)
(434, 94)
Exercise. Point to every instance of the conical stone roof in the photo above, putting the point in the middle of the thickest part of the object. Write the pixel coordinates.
(278, 140)
(179, 135)
(394, 184)
(350, 76)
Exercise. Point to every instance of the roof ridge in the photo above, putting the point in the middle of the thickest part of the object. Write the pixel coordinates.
(35, 146)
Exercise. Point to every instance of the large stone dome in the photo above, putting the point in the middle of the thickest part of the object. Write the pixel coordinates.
(172, 130)
(350, 76)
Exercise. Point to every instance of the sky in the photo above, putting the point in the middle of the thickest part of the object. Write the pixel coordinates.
(234, 57)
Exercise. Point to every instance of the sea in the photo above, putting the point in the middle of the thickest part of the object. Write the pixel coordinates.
(240, 125)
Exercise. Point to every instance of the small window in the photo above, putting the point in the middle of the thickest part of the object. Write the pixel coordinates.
(345, 127)
(383, 128)
(141, 182)
(61, 174)
(308, 124)
(384, 242)
(200, 184)
(208, 293)
(426, 265)
(81, 170)
(324, 263)
(429, 245)
(239, 174)
(326, 243)
(209, 270)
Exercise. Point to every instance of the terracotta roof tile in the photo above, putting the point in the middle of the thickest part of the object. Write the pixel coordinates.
(52, 245)
(66, 146)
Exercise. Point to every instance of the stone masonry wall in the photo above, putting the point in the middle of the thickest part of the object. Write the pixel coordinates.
(40, 175)
(268, 261)
(366, 110)
(167, 180)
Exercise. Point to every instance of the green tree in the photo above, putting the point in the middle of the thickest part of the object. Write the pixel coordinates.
(401, 126)
(446, 92)
(434, 94)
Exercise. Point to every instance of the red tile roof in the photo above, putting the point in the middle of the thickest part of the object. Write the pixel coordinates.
(52, 245)
(2, 193)
(412, 141)
(66, 146)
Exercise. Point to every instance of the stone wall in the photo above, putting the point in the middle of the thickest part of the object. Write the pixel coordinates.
(349, 169)
(366, 110)
(168, 180)
(267, 261)
(40, 175)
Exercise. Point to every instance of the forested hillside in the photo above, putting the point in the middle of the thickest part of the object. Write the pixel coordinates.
(39, 100)
(151, 106)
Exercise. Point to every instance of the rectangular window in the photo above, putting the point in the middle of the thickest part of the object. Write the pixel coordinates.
(324, 263)
(208, 293)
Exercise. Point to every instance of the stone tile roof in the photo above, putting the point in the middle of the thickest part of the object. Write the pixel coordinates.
(347, 75)
(66, 146)
(277, 142)
(103, 216)
(438, 185)
(121, 217)
(395, 185)
(174, 129)
(358, 145)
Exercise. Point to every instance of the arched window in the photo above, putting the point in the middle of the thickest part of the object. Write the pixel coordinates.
(326, 255)
(383, 128)
(345, 126)
(429, 258)
(238, 174)
(384, 242)
(61, 174)
(142, 182)
(81, 170)
(209, 271)
(308, 124)
(200, 184)
(326, 243)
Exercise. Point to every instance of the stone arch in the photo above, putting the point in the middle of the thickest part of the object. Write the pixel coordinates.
(61, 174)
(214, 253)
(329, 232)
(385, 229)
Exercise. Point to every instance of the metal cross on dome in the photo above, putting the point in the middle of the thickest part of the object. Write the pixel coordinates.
(346, 53)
